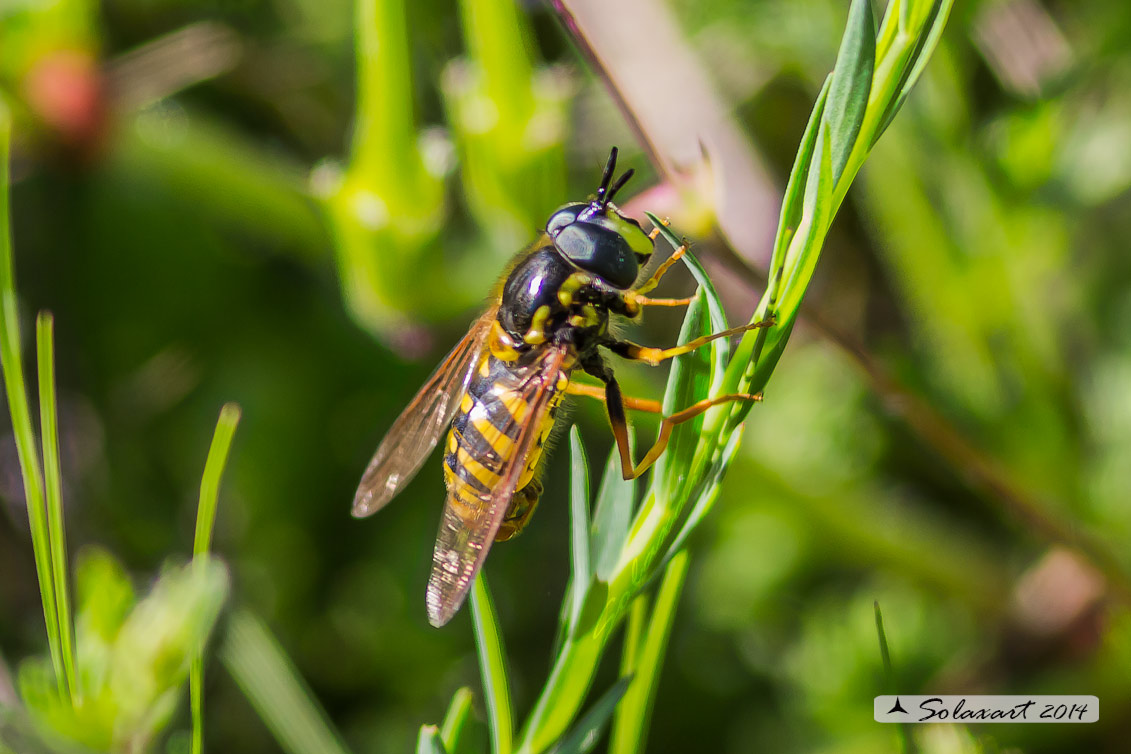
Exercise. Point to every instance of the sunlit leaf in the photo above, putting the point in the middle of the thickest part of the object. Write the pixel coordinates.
(585, 735)
(492, 666)
(851, 83)
(611, 517)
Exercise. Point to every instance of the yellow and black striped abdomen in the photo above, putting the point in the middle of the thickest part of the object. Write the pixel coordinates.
(484, 434)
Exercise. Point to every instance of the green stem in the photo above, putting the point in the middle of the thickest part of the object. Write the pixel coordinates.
(384, 137)
(495, 36)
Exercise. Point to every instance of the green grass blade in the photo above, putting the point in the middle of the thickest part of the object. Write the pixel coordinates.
(748, 356)
(53, 478)
(585, 735)
(634, 637)
(581, 566)
(907, 741)
(687, 383)
(851, 83)
(927, 44)
(271, 683)
(202, 541)
(611, 516)
(429, 742)
(455, 720)
(631, 727)
(210, 480)
(492, 665)
(11, 359)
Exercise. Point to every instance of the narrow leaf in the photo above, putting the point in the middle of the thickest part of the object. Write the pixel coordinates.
(795, 188)
(631, 729)
(612, 516)
(851, 83)
(452, 729)
(907, 741)
(272, 684)
(806, 247)
(688, 381)
(429, 742)
(925, 48)
(53, 477)
(11, 359)
(747, 356)
(585, 735)
(707, 496)
(581, 567)
(205, 517)
(214, 465)
(492, 666)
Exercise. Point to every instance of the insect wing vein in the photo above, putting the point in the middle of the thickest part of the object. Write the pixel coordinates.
(468, 528)
(417, 430)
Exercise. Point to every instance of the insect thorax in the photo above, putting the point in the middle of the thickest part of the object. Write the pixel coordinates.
(545, 294)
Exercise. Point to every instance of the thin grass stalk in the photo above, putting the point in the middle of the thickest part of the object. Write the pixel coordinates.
(56, 531)
(274, 687)
(11, 359)
(492, 666)
(202, 542)
(630, 726)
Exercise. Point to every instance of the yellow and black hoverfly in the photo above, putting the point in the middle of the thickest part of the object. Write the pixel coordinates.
(499, 389)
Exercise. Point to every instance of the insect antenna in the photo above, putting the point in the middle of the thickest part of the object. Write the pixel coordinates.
(617, 186)
(607, 176)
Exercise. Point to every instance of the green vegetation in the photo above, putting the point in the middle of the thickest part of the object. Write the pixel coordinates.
(294, 207)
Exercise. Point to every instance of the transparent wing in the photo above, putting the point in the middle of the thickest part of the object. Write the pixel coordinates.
(417, 430)
(467, 530)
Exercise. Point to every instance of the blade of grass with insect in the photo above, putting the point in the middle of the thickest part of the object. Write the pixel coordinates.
(273, 686)
(492, 666)
(202, 542)
(53, 478)
(11, 359)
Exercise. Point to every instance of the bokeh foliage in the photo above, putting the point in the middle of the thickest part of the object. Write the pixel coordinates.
(191, 245)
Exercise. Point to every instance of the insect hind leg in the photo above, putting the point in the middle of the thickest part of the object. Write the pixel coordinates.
(519, 511)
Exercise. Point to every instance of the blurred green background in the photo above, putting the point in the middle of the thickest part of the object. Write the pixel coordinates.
(299, 205)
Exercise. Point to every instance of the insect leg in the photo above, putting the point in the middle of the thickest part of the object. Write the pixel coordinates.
(666, 265)
(645, 301)
(616, 404)
(653, 356)
(598, 392)
(671, 422)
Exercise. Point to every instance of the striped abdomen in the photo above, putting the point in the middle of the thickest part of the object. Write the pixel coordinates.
(482, 440)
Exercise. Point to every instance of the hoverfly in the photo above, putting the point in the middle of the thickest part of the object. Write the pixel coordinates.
(499, 389)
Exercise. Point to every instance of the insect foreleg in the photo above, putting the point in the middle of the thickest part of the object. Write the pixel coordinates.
(662, 270)
(644, 301)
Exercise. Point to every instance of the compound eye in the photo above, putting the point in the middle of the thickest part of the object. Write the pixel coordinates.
(563, 217)
(600, 251)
